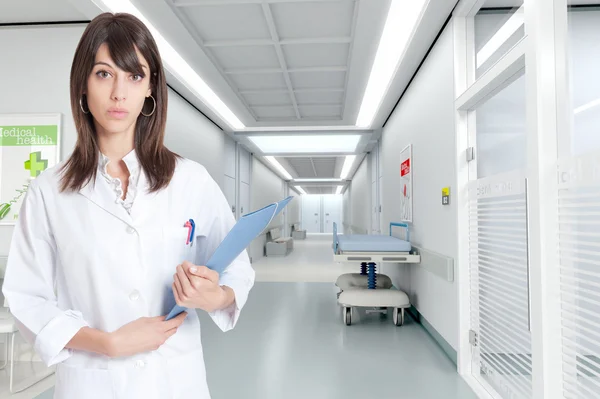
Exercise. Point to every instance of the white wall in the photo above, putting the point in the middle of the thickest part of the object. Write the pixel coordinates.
(425, 119)
(39, 82)
(346, 209)
(267, 187)
(244, 180)
(191, 135)
(293, 210)
(229, 157)
(360, 198)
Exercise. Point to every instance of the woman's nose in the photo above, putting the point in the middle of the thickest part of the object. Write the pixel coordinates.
(119, 91)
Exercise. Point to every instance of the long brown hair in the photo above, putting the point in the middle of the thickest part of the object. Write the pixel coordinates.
(122, 33)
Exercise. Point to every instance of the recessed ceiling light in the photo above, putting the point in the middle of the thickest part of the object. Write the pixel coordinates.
(301, 190)
(299, 128)
(306, 144)
(501, 36)
(176, 64)
(402, 19)
(280, 168)
(347, 166)
(317, 180)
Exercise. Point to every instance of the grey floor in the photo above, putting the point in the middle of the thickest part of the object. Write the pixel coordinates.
(290, 343)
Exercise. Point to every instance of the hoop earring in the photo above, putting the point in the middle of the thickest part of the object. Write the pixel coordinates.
(81, 106)
(153, 108)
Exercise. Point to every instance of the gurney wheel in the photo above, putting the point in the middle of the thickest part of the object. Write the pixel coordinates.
(398, 316)
(348, 315)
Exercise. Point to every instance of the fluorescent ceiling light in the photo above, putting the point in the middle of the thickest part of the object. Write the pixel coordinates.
(501, 36)
(299, 128)
(402, 19)
(280, 168)
(339, 189)
(347, 165)
(176, 64)
(317, 180)
(301, 190)
(587, 106)
(300, 144)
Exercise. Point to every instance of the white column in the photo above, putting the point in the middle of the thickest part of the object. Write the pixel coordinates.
(546, 27)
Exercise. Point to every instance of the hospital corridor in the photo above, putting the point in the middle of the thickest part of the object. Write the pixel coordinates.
(289, 199)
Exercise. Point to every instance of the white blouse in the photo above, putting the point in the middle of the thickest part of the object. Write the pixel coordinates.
(133, 166)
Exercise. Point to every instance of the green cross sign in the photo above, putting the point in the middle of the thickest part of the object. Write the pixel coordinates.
(36, 165)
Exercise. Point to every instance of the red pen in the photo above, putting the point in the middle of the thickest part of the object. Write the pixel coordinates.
(189, 226)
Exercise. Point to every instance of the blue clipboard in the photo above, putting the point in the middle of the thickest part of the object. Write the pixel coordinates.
(239, 237)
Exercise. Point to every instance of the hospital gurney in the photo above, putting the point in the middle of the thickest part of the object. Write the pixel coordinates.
(367, 288)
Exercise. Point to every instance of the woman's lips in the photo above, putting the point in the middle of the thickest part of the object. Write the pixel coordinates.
(118, 113)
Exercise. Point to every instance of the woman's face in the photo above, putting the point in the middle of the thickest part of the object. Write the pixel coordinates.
(116, 97)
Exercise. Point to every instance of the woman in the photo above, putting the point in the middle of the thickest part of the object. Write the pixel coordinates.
(101, 253)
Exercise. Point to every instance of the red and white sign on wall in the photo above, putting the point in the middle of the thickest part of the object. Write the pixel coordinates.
(405, 168)
(406, 209)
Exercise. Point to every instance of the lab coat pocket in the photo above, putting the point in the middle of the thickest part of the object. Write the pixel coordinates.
(74, 382)
(178, 249)
(187, 376)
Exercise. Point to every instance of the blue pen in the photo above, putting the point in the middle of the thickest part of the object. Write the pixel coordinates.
(193, 231)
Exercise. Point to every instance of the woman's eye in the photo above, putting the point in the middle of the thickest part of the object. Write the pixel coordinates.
(137, 78)
(103, 74)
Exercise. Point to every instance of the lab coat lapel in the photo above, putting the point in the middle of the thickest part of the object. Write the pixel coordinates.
(101, 194)
(146, 205)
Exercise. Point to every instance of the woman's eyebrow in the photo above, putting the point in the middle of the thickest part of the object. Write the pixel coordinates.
(109, 65)
(104, 63)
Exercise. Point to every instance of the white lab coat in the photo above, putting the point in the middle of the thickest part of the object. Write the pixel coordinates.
(80, 259)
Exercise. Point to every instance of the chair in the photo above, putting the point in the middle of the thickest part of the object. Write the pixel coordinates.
(8, 327)
(298, 234)
(277, 245)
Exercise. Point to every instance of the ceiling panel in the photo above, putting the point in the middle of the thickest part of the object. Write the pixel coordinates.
(323, 97)
(316, 55)
(229, 22)
(291, 45)
(259, 81)
(303, 166)
(314, 167)
(322, 190)
(274, 112)
(325, 166)
(302, 80)
(244, 57)
(267, 98)
(332, 111)
(313, 19)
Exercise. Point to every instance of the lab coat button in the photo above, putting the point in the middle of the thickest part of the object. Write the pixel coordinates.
(130, 230)
(140, 363)
(134, 296)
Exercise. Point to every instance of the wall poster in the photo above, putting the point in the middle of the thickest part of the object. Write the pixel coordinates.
(29, 144)
(406, 165)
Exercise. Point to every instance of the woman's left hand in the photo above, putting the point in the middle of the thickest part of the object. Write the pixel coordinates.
(198, 287)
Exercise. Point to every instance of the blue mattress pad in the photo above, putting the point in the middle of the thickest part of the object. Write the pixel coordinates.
(372, 243)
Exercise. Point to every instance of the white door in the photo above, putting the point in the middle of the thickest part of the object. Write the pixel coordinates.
(332, 209)
(374, 209)
(379, 209)
(498, 245)
(311, 213)
(244, 199)
(229, 191)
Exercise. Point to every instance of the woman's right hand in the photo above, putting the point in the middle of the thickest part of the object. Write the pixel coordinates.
(143, 335)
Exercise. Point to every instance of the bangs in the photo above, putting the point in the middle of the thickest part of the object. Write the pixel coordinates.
(122, 49)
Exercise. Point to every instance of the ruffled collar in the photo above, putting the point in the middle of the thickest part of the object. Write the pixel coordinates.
(133, 165)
